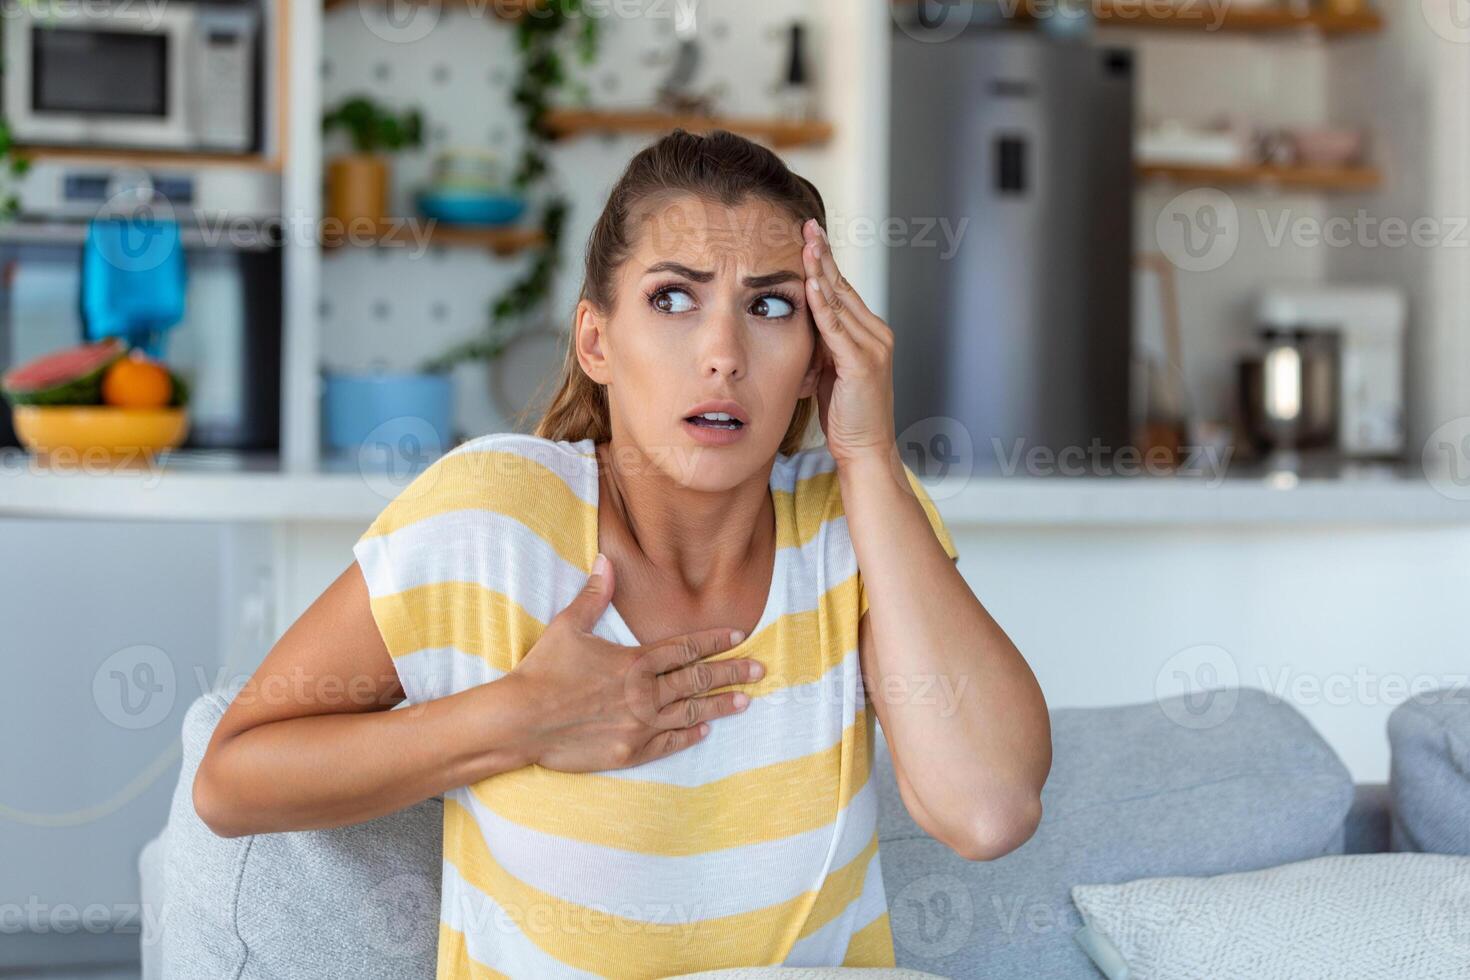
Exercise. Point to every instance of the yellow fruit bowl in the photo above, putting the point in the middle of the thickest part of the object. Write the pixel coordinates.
(99, 428)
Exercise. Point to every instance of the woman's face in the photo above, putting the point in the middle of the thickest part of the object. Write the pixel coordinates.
(710, 316)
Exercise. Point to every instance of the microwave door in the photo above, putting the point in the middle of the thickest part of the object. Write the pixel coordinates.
(100, 78)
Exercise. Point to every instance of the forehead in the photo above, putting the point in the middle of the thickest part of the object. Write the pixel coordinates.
(703, 234)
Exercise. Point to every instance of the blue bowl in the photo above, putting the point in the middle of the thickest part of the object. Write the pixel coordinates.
(387, 414)
(471, 207)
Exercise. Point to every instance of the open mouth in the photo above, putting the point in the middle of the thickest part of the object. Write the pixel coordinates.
(715, 420)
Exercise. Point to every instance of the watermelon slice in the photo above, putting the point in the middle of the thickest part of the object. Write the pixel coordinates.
(66, 377)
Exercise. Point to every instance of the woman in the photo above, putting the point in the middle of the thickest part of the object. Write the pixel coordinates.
(679, 781)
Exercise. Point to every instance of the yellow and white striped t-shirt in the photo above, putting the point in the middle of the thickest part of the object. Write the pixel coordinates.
(758, 845)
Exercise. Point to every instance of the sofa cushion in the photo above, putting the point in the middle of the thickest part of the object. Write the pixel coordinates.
(1134, 791)
(1429, 772)
(1395, 916)
(358, 901)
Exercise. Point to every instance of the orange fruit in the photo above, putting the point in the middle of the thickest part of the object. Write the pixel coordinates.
(136, 381)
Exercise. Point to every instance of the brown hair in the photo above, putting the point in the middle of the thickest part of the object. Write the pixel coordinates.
(720, 167)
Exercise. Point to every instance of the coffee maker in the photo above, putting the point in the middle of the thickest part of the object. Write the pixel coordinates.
(1363, 328)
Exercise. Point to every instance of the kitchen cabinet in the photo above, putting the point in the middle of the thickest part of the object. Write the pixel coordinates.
(111, 629)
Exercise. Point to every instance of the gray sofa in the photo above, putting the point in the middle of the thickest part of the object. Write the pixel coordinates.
(1135, 791)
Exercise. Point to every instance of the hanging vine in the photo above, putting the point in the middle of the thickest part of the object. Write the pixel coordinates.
(541, 33)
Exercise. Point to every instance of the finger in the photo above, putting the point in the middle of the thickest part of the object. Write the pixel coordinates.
(842, 347)
(673, 653)
(847, 295)
(688, 712)
(671, 741)
(705, 676)
(586, 609)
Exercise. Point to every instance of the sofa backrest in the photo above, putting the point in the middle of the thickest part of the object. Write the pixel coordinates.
(1135, 791)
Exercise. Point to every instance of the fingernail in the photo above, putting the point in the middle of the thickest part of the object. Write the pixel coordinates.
(599, 564)
(740, 700)
(737, 635)
(756, 670)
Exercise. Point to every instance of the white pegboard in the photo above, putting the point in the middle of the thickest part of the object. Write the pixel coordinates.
(393, 306)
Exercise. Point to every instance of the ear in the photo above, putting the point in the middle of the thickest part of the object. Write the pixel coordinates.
(813, 371)
(588, 335)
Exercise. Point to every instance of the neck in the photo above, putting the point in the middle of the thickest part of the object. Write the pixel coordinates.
(697, 539)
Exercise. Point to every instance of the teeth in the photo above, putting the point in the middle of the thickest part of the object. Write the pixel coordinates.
(718, 417)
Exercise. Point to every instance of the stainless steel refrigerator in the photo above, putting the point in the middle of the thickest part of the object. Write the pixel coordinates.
(1016, 335)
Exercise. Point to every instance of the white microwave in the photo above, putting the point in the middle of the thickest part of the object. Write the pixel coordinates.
(174, 76)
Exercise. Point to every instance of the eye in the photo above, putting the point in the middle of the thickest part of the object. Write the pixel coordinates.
(664, 301)
(773, 306)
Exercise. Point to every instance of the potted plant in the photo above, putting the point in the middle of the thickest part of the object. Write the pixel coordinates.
(357, 183)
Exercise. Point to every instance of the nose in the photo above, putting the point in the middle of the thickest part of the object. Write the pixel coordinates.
(723, 353)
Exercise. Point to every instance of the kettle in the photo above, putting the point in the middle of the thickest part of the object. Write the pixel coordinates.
(1290, 391)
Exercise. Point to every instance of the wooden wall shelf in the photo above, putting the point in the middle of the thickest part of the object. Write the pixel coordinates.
(149, 158)
(504, 9)
(1204, 18)
(503, 242)
(776, 132)
(1292, 178)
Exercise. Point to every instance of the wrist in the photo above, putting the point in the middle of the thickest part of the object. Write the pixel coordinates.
(866, 467)
(502, 715)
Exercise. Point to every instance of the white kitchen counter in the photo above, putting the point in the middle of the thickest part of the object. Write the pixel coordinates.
(213, 486)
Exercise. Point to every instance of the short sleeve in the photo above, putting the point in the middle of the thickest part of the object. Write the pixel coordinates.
(395, 555)
(935, 522)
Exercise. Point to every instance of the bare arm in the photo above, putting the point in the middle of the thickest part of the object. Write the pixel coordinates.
(309, 741)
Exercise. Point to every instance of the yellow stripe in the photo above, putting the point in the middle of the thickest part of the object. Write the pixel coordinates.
(872, 945)
(454, 961)
(506, 483)
(819, 499)
(485, 623)
(593, 938)
(755, 806)
(465, 615)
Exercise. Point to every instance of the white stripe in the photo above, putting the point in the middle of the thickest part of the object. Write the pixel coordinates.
(697, 886)
(828, 945)
(500, 553)
(574, 462)
(437, 672)
(492, 936)
(779, 726)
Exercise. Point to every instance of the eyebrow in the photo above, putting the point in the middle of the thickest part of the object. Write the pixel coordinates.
(753, 282)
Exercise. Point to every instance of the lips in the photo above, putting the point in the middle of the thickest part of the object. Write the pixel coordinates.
(728, 415)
